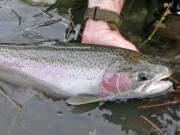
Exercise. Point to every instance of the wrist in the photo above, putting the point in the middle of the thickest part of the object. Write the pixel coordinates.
(111, 5)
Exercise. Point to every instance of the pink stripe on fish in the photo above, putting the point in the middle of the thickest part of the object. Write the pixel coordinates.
(117, 82)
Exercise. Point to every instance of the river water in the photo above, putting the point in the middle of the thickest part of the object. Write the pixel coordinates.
(39, 115)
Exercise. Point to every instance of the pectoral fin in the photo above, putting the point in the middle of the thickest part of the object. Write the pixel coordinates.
(84, 99)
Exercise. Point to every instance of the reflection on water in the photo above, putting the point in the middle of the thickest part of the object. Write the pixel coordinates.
(42, 116)
(21, 22)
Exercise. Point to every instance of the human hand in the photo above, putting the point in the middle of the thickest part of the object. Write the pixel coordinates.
(99, 32)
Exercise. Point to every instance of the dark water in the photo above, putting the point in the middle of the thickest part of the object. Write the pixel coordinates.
(42, 116)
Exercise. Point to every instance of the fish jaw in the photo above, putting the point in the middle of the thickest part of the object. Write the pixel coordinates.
(157, 87)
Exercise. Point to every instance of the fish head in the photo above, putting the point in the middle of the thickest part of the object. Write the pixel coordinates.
(140, 78)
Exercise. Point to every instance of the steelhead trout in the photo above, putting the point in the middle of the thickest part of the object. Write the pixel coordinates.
(83, 73)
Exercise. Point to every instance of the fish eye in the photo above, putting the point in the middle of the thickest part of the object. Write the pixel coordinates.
(143, 76)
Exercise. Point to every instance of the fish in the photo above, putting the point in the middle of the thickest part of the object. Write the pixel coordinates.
(83, 74)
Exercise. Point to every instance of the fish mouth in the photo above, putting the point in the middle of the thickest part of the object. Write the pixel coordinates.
(163, 76)
(155, 86)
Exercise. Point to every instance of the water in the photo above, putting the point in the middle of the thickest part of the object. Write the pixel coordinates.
(42, 116)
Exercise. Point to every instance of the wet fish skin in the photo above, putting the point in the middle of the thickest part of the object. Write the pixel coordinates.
(66, 69)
